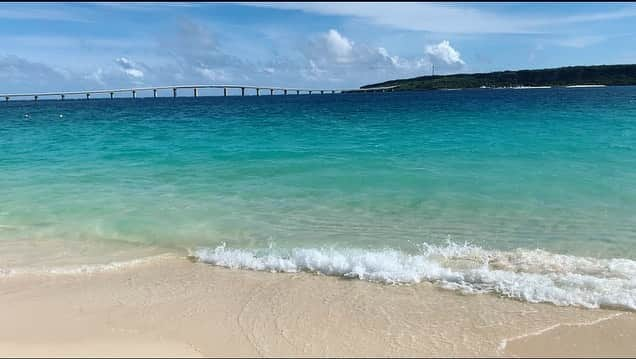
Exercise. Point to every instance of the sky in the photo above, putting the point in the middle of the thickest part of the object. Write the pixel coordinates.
(79, 46)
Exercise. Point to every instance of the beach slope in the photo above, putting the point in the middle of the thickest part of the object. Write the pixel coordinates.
(174, 307)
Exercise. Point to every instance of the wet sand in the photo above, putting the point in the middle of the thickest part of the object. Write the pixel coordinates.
(173, 307)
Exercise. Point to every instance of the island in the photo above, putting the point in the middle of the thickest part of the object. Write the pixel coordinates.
(571, 76)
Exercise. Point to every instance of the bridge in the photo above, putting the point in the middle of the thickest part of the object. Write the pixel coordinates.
(195, 91)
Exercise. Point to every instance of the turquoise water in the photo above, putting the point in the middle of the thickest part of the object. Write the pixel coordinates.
(502, 170)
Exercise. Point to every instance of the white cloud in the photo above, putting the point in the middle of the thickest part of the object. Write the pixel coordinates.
(444, 53)
(332, 57)
(129, 68)
(446, 18)
(330, 47)
(339, 46)
(193, 55)
(313, 72)
(409, 16)
(212, 74)
(135, 73)
(334, 50)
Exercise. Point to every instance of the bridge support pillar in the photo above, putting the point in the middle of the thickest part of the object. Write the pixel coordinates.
(154, 93)
(284, 92)
(196, 92)
(35, 98)
(111, 95)
(6, 98)
(61, 97)
(242, 91)
(310, 92)
(225, 91)
(258, 92)
(322, 92)
(174, 92)
(134, 93)
(88, 96)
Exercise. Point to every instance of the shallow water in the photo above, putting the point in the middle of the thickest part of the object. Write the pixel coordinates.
(508, 171)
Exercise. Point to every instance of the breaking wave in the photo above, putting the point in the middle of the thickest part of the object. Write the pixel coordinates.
(529, 275)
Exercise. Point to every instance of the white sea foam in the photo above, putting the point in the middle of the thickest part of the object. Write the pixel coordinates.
(83, 268)
(529, 275)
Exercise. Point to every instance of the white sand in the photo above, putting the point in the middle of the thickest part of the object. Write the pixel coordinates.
(177, 308)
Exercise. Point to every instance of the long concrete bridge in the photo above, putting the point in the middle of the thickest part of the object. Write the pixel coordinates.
(195, 91)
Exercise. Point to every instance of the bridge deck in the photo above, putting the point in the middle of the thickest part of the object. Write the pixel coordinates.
(194, 87)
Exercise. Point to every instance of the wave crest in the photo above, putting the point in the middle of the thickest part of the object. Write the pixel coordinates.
(530, 275)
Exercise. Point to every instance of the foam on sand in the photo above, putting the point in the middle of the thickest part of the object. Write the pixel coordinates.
(83, 268)
(529, 275)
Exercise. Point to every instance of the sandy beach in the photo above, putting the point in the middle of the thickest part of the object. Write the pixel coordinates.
(173, 307)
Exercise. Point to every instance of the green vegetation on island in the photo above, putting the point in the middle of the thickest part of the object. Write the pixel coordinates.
(609, 75)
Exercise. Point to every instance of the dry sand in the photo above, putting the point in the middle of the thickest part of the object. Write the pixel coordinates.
(173, 307)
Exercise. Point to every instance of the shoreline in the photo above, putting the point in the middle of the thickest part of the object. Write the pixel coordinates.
(176, 307)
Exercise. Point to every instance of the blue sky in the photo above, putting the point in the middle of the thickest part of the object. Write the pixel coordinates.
(51, 46)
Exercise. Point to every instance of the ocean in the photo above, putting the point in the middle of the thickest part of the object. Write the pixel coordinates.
(528, 193)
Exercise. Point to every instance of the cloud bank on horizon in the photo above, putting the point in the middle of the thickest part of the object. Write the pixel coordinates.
(335, 45)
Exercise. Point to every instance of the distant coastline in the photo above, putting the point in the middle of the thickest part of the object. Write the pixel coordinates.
(568, 77)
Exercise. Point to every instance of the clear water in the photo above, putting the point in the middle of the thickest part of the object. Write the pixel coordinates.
(504, 170)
